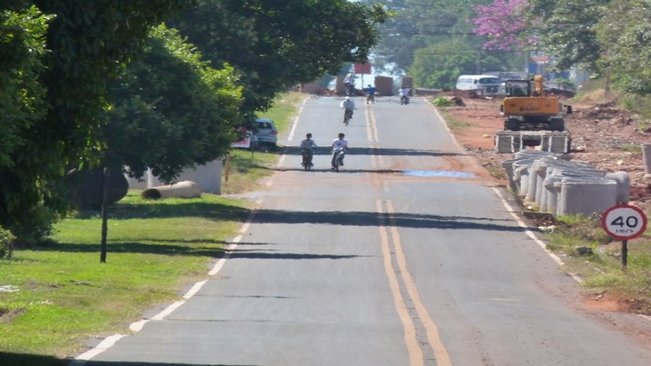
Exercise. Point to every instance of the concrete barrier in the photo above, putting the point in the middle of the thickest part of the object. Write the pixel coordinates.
(646, 154)
(563, 187)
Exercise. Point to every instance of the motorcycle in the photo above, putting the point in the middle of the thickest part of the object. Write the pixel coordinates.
(370, 98)
(307, 160)
(404, 99)
(338, 159)
(348, 114)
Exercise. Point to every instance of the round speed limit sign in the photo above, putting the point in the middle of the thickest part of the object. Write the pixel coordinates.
(623, 222)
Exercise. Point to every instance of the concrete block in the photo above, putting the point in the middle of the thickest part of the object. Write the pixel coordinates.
(646, 155)
(586, 196)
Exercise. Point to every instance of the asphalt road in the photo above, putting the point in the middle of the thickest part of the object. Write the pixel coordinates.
(407, 256)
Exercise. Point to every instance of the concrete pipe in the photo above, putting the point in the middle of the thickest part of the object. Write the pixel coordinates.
(646, 154)
(184, 189)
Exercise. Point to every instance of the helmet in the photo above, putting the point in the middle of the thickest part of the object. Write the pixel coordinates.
(347, 98)
(309, 135)
(341, 135)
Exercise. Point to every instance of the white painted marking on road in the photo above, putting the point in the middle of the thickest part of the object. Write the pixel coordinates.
(531, 234)
(107, 343)
(168, 310)
(292, 132)
(135, 327)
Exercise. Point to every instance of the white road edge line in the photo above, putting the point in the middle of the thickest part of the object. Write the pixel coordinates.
(136, 327)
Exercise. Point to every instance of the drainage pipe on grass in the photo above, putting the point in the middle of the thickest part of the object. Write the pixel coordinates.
(184, 189)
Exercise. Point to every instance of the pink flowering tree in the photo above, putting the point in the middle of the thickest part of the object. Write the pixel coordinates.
(505, 23)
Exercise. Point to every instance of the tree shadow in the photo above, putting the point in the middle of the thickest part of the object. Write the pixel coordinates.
(273, 254)
(213, 211)
(360, 218)
(23, 359)
(213, 248)
(378, 151)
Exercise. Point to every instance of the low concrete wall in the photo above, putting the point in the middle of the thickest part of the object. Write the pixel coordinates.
(207, 176)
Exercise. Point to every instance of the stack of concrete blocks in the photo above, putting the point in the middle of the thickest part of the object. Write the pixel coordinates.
(548, 141)
(563, 187)
(207, 176)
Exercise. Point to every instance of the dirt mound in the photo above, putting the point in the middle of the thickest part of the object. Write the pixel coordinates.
(603, 135)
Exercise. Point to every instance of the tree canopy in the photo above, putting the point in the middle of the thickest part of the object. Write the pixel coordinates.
(85, 82)
(274, 45)
(170, 110)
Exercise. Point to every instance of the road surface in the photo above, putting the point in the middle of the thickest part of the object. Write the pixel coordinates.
(407, 256)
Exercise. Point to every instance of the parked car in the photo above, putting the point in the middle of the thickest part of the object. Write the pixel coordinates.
(265, 132)
(480, 84)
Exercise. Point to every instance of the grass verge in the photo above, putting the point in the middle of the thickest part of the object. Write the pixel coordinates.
(61, 294)
(56, 296)
(601, 266)
(245, 168)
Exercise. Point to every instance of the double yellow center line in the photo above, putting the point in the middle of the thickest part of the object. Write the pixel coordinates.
(399, 278)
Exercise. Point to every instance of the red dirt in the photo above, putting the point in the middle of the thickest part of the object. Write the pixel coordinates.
(602, 136)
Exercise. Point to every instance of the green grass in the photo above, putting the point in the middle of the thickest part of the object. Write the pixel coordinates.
(602, 271)
(284, 109)
(154, 249)
(245, 168)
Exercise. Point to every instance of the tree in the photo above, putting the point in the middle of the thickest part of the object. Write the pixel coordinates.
(274, 45)
(504, 23)
(417, 24)
(87, 43)
(439, 65)
(170, 110)
(625, 35)
(567, 30)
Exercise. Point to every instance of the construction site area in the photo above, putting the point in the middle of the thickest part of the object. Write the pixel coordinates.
(597, 133)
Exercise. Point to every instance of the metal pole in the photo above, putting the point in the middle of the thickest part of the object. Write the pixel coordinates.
(104, 213)
(624, 254)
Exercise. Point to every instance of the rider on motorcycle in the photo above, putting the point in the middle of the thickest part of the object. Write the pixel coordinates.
(307, 147)
(348, 105)
(370, 94)
(338, 145)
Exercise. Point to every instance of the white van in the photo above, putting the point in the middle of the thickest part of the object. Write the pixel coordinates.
(481, 84)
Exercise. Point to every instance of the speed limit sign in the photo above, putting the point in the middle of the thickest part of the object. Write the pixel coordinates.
(623, 222)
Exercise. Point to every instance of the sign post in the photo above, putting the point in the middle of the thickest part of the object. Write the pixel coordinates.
(624, 222)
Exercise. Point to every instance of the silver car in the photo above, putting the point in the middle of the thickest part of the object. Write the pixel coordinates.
(265, 132)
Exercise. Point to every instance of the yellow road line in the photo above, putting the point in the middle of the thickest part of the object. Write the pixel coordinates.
(415, 353)
(441, 354)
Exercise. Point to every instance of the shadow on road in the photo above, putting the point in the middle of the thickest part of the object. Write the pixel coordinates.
(359, 218)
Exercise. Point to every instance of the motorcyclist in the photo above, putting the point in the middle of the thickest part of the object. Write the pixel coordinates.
(349, 83)
(339, 144)
(404, 95)
(307, 147)
(348, 106)
(370, 94)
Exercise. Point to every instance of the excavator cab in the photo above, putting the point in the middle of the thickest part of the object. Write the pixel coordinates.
(526, 106)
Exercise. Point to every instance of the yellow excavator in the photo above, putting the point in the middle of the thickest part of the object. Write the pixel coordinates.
(526, 107)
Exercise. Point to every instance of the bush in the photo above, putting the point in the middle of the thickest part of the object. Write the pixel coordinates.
(442, 102)
(6, 242)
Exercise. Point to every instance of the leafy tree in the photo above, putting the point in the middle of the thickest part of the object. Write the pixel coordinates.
(567, 30)
(276, 44)
(504, 23)
(417, 24)
(87, 43)
(22, 96)
(171, 109)
(625, 33)
(439, 65)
